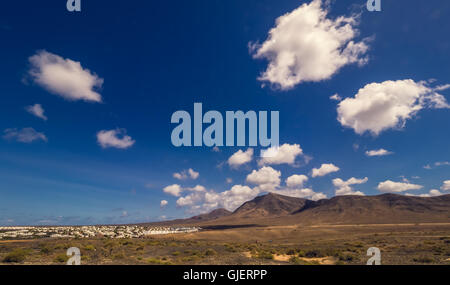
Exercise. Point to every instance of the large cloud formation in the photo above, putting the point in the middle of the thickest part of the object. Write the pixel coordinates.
(381, 106)
(64, 77)
(306, 45)
(265, 179)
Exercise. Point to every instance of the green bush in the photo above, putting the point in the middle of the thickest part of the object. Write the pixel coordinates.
(89, 247)
(17, 255)
(61, 258)
(210, 252)
(265, 255)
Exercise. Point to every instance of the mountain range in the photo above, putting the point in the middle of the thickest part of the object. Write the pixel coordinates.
(275, 209)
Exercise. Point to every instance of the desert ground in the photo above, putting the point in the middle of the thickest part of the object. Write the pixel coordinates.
(427, 243)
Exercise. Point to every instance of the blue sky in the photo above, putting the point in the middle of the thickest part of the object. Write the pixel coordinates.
(151, 59)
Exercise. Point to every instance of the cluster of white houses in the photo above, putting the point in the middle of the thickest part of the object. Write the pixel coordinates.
(132, 231)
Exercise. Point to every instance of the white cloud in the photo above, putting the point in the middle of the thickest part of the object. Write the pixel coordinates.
(114, 138)
(25, 135)
(193, 174)
(285, 154)
(389, 186)
(446, 185)
(324, 169)
(198, 202)
(185, 174)
(64, 77)
(378, 152)
(296, 180)
(381, 106)
(234, 197)
(442, 163)
(240, 157)
(437, 164)
(266, 178)
(306, 45)
(37, 111)
(163, 203)
(336, 97)
(432, 193)
(229, 180)
(174, 190)
(197, 188)
(345, 187)
(305, 193)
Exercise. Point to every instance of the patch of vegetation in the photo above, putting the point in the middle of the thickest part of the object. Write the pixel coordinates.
(423, 259)
(89, 247)
(16, 256)
(61, 258)
(210, 252)
(265, 255)
(157, 261)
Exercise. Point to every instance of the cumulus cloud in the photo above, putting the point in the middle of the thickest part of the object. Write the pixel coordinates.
(345, 187)
(37, 111)
(432, 193)
(389, 186)
(174, 190)
(163, 203)
(307, 45)
(185, 174)
(64, 77)
(305, 193)
(240, 157)
(378, 152)
(285, 154)
(114, 138)
(446, 185)
(266, 178)
(25, 135)
(296, 180)
(198, 202)
(197, 188)
(381, 106)
(324, 169)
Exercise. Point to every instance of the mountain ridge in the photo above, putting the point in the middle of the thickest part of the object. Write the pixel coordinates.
(276, 209)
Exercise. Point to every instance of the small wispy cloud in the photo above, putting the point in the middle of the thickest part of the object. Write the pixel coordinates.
(378, 152)
(25, 135)
(37, 111)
